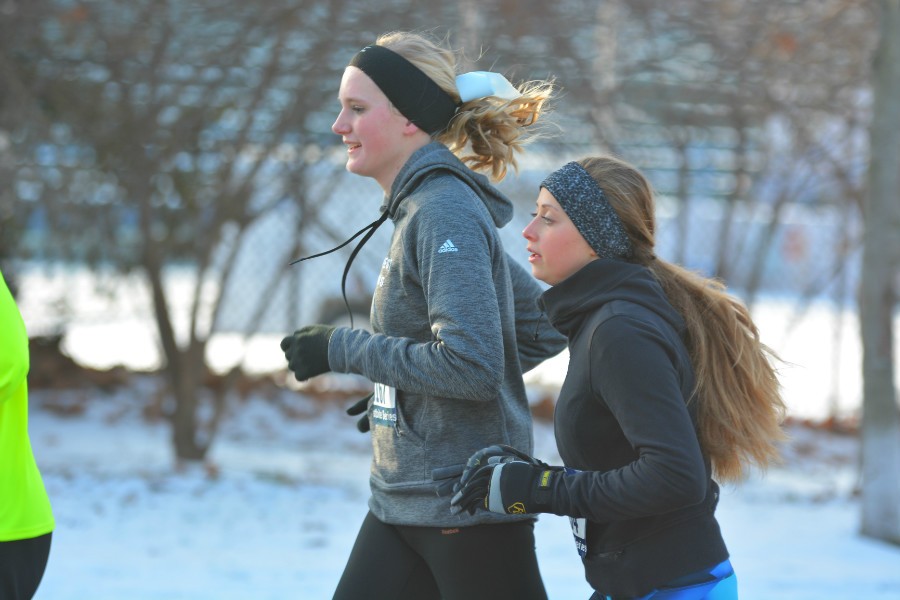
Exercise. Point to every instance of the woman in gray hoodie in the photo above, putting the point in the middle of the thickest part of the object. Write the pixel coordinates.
(455, 321)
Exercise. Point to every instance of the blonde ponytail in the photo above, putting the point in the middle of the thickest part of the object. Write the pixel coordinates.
(486, 133)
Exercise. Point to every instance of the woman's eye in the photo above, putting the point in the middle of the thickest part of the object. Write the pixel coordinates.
(357, 109)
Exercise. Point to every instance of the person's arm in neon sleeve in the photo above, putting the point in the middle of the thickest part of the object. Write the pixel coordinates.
(14, 359)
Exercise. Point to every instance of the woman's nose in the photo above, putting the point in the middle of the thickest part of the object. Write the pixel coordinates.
(339, 127)
(527, 233)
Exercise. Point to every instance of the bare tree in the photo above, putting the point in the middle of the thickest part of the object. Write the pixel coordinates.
(751, 105)
(881, 290)
(158, 135)
(187, 123)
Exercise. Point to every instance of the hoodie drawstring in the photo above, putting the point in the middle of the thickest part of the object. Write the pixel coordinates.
(369, 230)
(537, 327)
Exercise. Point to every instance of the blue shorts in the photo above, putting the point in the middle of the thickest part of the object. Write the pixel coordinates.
(722, 586)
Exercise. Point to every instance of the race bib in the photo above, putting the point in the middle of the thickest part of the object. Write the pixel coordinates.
(579, 530)
(384, 406)
(579, 526)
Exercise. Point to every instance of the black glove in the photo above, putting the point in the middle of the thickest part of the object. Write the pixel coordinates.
(504, 480)
(307, 351)
(360, 408)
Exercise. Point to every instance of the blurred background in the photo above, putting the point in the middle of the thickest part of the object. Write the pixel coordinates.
(163, 161)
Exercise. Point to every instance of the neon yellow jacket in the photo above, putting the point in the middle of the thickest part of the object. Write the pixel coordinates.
(24, 506)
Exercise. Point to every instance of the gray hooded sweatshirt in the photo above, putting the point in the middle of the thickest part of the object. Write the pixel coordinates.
(455, 324)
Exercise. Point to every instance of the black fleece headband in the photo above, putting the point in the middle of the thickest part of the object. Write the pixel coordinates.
(412, 92)
(584, 202)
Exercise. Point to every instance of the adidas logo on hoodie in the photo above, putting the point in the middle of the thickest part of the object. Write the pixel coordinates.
(448, 247)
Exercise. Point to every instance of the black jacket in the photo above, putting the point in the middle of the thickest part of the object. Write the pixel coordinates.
(623, 420)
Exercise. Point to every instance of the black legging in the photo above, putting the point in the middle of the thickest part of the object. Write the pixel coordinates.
(22, 564)
(392, 562)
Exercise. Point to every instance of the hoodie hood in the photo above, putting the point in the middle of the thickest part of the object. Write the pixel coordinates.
(601, 281)
(433, 158)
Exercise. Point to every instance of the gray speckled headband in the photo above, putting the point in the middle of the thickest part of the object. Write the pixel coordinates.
(587, 206)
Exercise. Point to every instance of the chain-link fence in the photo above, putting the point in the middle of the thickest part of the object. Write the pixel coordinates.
(106, 317)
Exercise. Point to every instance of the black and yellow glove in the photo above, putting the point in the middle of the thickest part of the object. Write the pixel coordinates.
(504, 480)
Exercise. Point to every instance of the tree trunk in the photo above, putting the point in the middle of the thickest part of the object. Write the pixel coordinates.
(683, 197)
(186, 379)
(726, 261)
(881, 417)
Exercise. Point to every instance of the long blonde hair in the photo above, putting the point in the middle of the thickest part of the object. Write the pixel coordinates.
(738, 397)
(486, 133)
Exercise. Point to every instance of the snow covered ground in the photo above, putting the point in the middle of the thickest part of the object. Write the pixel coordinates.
(274, 514)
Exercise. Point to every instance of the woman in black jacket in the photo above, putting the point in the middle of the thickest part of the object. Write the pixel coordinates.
(668, 387)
